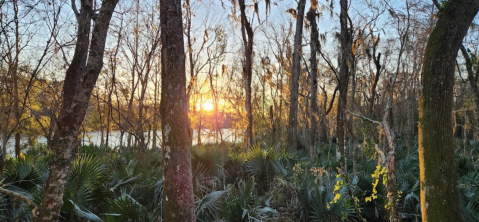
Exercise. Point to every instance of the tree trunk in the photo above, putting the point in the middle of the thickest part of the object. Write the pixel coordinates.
(178, 198)
(439, 193)
(472, 78)
(295, 72)
(16, 96)
(155, 111)
(377, 64)
(273, 126)
(200, 121)
(247, 34)
(391, 157)
(79, 82)
(314, 47)
(345, 63)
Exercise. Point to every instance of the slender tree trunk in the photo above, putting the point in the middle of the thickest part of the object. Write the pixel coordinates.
(439, 193)
(377, 63)
(109, 116)
(192, 82)
(178, 197)
(79, 82)
(345, 64)
(314, 47)
(16, 96)
(100, 115)
(155, 112)
(472, 78)
(391, 157)
(295, 72)
(273, 126)
(247, 34)
(200, 121)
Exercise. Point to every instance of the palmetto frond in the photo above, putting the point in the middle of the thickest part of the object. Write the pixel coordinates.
(208, 207)
(259, 161)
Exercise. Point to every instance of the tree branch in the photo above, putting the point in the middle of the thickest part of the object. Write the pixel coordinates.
(364, 118)
(75, 10)
(20, 197)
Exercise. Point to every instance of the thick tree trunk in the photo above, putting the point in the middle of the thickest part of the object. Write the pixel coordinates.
(439, 193)
(345, 63)
(314, 47)
(178, 197)
(295, 72)
(78, 86)
(247, 34)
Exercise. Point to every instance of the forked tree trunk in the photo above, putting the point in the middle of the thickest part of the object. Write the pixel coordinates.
(79, 82)
(178, 197)
(439, 193)
(294, 85)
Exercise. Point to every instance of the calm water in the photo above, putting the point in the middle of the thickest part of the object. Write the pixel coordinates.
(207, 136)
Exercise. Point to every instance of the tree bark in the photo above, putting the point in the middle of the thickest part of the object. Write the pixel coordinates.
(314, 47)
(16, 96)
(79, 82)
(345, 63)
(377, 64)
(247, 34)
(439, 193)
(178, 197)
(295, 72)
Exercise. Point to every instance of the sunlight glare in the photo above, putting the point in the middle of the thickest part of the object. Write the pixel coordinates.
(206, 105)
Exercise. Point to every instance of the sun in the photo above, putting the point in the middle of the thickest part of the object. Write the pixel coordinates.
(206, 105)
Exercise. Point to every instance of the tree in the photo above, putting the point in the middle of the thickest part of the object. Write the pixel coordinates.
(344, 64)
(18, 73)
(472, 77)
(439, 193)
(247, 34)
(314, 47)
(178, 199)
(80, 80)
(294, 85)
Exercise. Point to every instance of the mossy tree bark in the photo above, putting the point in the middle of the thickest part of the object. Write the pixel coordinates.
(439, 193)
(178, 199)
(80, 80)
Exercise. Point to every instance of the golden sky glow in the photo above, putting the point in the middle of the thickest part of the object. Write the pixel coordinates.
(206, 105)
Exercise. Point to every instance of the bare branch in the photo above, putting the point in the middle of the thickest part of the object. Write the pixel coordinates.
(20, 197)
(364, 118)
(75, 10)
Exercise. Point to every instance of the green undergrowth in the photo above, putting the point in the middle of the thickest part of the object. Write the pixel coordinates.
(262, 184)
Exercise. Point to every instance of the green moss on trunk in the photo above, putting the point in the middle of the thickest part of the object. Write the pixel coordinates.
(439, 193)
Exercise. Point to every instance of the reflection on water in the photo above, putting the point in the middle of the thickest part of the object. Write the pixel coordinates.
(114, 138)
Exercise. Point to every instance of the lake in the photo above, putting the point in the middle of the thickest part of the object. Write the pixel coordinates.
(207, 136)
